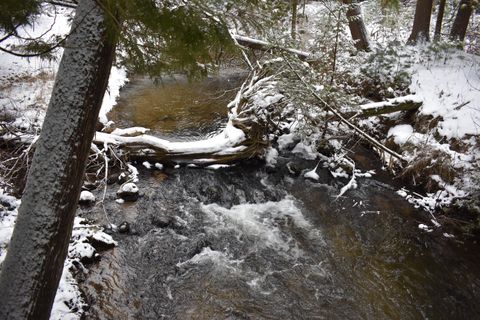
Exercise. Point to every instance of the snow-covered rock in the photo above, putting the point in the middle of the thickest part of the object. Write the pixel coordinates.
(86, 197)
(128, 192)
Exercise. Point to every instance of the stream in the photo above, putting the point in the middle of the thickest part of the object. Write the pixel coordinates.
(250, 242)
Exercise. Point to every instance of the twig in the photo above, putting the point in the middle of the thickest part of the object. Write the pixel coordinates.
(362, 133)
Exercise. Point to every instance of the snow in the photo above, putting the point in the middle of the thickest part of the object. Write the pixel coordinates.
(147, 164)
(450, 88)
(305, 151)
(130, 131)
(217, 166)
(312, 174)
(133, 172)
(87, 196)
(271, 156)
(424, 227)
(129, 187)
(400, 133)
(224, 143)
(27, 82)
(159, 166)
(117, 79)
(285, 140)
(391, 102)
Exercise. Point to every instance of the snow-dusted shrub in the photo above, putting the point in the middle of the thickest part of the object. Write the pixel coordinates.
(385, 72)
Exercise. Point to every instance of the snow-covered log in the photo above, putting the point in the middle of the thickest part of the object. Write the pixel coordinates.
(406, 103)
(232, 144)
(244, 136)
(257, 44)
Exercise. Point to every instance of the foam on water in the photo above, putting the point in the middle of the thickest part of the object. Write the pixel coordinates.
(264, 224)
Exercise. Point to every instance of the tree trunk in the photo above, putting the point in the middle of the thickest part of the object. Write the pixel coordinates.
(438, 25)
(460, 24)
(294, 19)
(38, 248)
(421, 22)
(356, 25)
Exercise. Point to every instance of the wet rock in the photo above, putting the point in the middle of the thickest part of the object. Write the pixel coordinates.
(99, 245)
(293, 169)
(128, 192)
(123, 177)
(161, 221)
(113, 178)
(89, 186)
(107, 228)
(124, 227)
(199, 246)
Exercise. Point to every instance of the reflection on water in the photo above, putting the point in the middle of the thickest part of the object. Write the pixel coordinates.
(176, 108)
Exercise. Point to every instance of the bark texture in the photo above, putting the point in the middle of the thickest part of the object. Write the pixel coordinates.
(36, 254)
(356, 25)
(460, 24)
(293, 30)
(421, 22)
(438, 24)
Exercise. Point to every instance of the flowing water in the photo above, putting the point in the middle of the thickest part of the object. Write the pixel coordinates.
(245, 242)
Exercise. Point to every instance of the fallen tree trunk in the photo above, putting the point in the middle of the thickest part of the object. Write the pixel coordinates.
(229, 146)
(257, 44)
(406, 103)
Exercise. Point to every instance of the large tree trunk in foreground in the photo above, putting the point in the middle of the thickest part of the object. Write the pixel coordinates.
(356, 25)
(459, 27)
(421, 22)
(36, 254)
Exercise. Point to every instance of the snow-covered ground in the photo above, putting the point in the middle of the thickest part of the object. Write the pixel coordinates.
(445, 133)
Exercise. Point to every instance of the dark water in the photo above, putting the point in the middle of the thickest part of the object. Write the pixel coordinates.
(245, 242)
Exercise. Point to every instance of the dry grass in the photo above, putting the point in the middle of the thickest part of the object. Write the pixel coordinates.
(427, 163)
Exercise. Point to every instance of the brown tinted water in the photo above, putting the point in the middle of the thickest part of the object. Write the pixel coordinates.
(176, 108)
